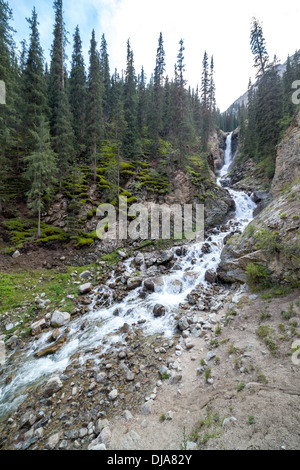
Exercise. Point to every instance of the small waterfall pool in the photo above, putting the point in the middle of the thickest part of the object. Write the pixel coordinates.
(102, 325)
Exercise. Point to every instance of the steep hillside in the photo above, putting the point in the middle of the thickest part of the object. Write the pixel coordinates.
(69, 220)
(268, 252)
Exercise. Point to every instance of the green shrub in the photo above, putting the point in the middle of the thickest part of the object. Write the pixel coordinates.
(267, 241)
(257, 275)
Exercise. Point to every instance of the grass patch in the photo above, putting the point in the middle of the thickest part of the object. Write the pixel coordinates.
(19, 290)
(23, 231)
(209, 427)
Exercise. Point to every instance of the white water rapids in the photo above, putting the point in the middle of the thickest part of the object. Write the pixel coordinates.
(101, 325)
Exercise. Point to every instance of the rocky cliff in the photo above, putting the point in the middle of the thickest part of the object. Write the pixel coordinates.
(288, 159)
(268, 252)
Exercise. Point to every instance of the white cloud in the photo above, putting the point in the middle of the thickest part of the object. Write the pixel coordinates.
(222, 28)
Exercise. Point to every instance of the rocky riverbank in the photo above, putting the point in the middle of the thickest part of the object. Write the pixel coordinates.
(226, 379)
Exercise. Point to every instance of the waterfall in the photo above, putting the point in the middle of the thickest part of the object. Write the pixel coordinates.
(227, 156)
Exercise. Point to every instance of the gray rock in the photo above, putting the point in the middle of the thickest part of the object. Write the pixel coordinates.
(165, 257)
(210, 355)
(101, 377)
(39, 432)
(130, 376)
(191, 445)
(100, 425)
(146, 408)
(139, 259)
(16, 254)
(211, 276)
(84, 275)
(130, 441)
(53, 441)
(134, 282)
(85, 288)
(97, 447)
(260, 196)
(60, 318)
(113, 395)
(105, 436)
(52, 386)
(127, 415)
(149, 284)
(183, 324)
(83, 432)
(28, 419)
(228, 421)
(159, 310)
(164, 370)
(9, 326)
(175, 378)
(2, 352)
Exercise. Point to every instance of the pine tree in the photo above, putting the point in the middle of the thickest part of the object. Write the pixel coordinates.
(287, 80)
(155, 121)
(95, 126)
(34, 85)
(250, 131)
(142, 103)
(9, 76)
(268, 112)
(41, 170)
(78, 92)
(105, 78)
(60, 112)
(212, 89)
(205, 101)
(258, 48)
(130, 108)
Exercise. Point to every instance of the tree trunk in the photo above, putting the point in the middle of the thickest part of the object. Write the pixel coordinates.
(39, 224)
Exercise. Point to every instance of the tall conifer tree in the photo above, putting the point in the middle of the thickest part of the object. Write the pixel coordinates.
(60, 112)
(95, 125)
(78, 91)
(34, 85)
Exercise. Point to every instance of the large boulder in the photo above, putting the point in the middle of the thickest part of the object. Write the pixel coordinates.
(211, 276)
(37, 326)
(149, 284)
(60, 318)
(52, 386)
(165, 257)
(159, 310)
(85, 288)
(134, 282)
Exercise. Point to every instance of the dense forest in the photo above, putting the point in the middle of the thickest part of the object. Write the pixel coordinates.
(64, 125)
(270, 108)
(58, 124)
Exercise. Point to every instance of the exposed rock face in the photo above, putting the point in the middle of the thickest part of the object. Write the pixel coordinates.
(217, 143)
(272, 239)
(288, 158)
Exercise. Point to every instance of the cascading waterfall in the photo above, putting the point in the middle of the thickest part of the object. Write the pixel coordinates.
(100, 324)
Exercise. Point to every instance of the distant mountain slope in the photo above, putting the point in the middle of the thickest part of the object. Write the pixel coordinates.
(244, 98)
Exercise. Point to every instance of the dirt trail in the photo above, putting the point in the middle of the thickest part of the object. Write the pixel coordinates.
(260, 390)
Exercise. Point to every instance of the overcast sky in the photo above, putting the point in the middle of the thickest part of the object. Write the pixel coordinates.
(222, 28)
